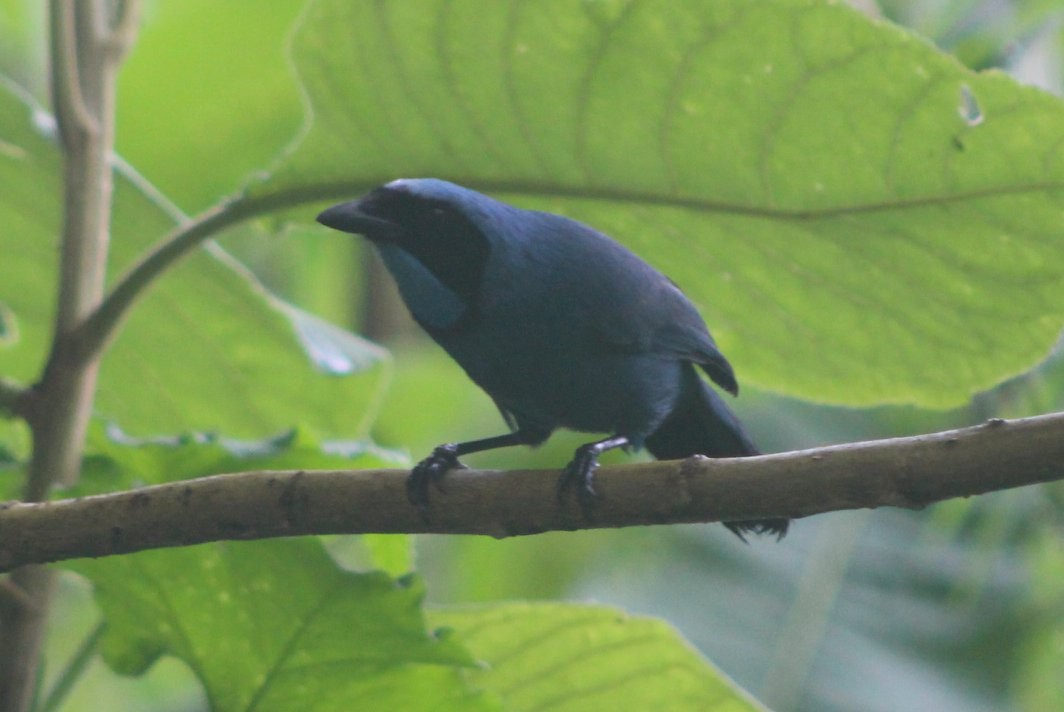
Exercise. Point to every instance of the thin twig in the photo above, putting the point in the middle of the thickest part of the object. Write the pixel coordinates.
(67, 97)
(120, 32)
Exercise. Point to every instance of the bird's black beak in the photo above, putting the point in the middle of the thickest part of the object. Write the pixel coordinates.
(352, 217)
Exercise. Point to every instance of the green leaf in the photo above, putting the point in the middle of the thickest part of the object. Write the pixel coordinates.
(246, 98)
(114, 460)
(207, 348)
(863, 219)
(8, 327)
(565, 657)
(391, 553)
(21, 55)
(14, 444)
(278, 626)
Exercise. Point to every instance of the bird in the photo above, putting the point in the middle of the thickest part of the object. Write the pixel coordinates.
(561, 325)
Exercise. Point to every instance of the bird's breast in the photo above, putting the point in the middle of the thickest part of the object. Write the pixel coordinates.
(558, 376)
(431, 302)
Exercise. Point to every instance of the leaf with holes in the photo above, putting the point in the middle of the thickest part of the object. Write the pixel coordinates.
(862, 219)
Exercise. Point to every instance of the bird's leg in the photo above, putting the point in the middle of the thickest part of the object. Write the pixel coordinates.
(580, 473)
(445, 457)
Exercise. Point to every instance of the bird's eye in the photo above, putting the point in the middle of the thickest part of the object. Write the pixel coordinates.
(438, 212)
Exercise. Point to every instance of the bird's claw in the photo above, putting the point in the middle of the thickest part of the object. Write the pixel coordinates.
(580, 475)
(431, 471)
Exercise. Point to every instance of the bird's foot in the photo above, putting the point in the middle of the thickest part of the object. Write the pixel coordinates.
(580, 475)
(431, 471)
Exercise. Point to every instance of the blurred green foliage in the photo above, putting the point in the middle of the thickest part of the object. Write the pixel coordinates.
(958, 608)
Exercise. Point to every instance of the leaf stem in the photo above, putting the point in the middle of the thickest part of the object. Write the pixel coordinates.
(101, 326)
(74, 669)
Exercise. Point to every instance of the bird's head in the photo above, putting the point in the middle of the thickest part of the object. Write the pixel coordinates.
(409, 208)
(427, 230)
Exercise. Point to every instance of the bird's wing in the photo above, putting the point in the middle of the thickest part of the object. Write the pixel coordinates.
(615, 297)
(658, 318)
(697, 346)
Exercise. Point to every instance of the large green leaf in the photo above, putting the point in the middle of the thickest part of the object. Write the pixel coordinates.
(228, 106)
(278, 626)
(21, 24)
(569, 658)
(863, 219)
(207, 348)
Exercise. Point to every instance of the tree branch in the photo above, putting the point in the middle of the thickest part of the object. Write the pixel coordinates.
(86, 47)
(908, 472)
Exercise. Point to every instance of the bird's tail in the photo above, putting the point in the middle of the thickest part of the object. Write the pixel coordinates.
(702, 424)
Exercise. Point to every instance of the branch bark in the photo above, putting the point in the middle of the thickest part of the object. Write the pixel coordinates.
(908, 472)
(11, 396)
